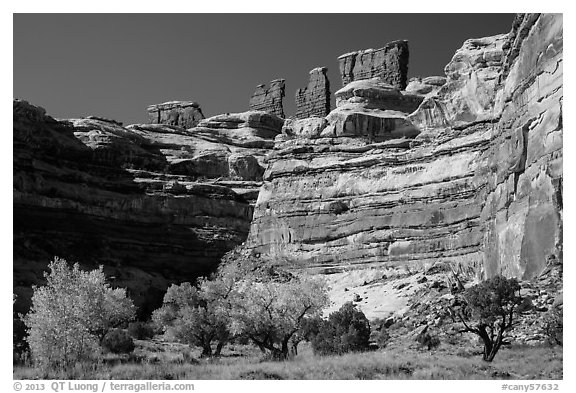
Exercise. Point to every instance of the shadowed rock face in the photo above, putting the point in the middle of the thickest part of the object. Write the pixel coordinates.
(153, 203)
(471, 176)
(269, 99)
(389, 63)
(184, 114)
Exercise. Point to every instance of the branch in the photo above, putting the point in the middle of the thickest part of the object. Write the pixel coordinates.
(468, 328)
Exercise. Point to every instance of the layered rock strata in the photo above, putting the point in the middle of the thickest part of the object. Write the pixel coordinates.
(472, 177)
(522, 209)
(269, 99)
(184, 114)
(389, 63)
(153, 203)
(425, 86)
(314, 99)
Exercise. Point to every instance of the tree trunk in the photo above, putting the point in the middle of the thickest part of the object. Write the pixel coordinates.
(488, 345)
(495, 347)
(294, 349)
(206, 351)
(219, 348)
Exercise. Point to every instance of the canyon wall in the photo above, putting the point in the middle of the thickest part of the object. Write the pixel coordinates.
(153, 203)
(468, 171)
(269, 99)
(314, 99)
(464, 168)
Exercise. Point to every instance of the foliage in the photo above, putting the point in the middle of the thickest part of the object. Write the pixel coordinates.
(272, 313)
(346, 330)
(72, 313)
(118, 341)
(140, 330)
(554, 326)
(197, 315)
(487, 310)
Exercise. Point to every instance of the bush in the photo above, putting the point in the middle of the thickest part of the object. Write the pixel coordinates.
(71, 314)
(118, 341)
(141, 330)
(346, 330)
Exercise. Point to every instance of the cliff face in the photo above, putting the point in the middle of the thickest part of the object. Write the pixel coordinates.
(522, 168)
(314, 99)
(468, 171)
(389, 63)
(464, 169)
(269, 99)
(185, 114)
(138, 199)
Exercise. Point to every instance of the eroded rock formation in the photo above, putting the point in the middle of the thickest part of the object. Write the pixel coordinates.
(471, 176)
(269, 99)
(184, 114)
(314, 99)
(463, 170)
(389, 63)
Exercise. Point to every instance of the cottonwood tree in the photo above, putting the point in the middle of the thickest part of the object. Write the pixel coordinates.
(72, 313)
(270, 313)
(487, 310)
(197, 315)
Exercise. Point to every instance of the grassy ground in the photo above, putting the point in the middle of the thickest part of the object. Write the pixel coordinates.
(167, 361)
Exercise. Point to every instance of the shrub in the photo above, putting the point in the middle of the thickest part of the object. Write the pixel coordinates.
(118, 341)
(141, 330)
(346, 330)
(71, 314)
(487, 310)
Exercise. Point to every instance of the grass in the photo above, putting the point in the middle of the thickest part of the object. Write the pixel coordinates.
(245, 362)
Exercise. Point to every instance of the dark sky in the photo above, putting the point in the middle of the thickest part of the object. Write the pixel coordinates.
(114, 65)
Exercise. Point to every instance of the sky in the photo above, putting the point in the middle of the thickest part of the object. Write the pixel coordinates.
(115, 65)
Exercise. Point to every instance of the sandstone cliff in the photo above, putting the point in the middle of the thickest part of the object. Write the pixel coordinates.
(314, 99)
(468, 171)
(269, 99)
(153, 203)
(462, 170)
(185, 114)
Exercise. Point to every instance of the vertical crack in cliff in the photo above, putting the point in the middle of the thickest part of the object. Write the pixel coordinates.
(521, 165)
